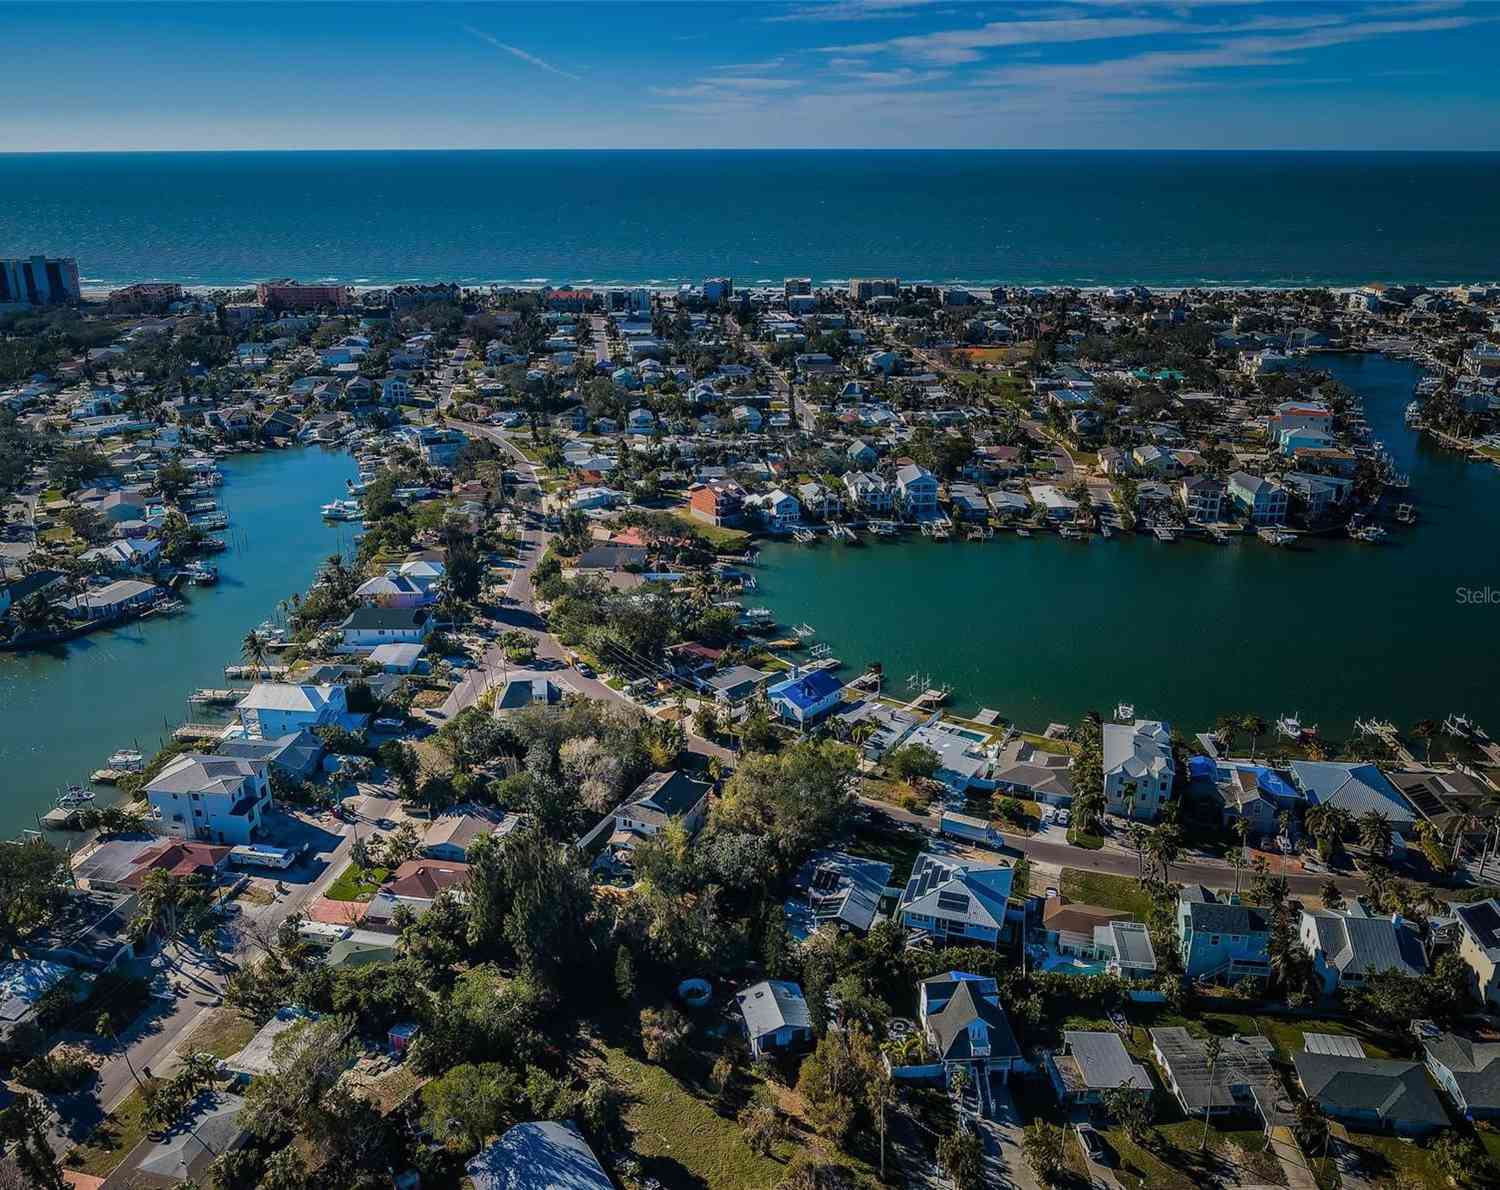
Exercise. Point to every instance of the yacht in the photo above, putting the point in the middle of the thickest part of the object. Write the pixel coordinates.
(342, 510)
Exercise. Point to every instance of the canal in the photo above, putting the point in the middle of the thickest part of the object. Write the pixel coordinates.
(1043, 629)
(63, 712)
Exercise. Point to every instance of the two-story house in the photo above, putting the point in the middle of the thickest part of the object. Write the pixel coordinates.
(965, 1025)
(956, 901)
(1139, 768)
(215, 799)
(1348, 946)
(662, 798)
(274, 709)
(918, 489)
(1221, 940)
(1479, 947)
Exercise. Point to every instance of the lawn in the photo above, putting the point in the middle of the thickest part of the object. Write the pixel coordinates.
(223, 1033)
(716, 535)
(356, 884)
(1089, 842)
(111, 1142)
(897, 848)
(1106, 891)
(681, 1139)
(1042, 744)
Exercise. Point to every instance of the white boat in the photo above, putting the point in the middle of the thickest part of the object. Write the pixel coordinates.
(1414, 413)
(201, 574)
(342, 510)
(1022, 531)
(1273, 536)
(1406, 514)
(1125, 712)
(126, 758)
(74, 797)
(1292, 727)
(1164, 534)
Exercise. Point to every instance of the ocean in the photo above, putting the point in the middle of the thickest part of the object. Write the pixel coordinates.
(668, 217)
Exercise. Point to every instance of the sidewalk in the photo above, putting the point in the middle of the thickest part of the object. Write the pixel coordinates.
(1293, 1162)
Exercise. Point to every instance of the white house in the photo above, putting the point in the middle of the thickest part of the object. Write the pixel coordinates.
(367, 627)
(274, 709)
(956, 901)
(780, 511)
(919, 490)
(1138, 768)
(747, 418)
(869, 492)
(1349, 946)
(776, 1016)
(216, 799)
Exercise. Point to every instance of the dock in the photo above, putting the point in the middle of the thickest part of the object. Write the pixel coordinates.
(216, 698)
(60, 818)
(108, 776)
(988, 716)
(198, 731)
(237, 672)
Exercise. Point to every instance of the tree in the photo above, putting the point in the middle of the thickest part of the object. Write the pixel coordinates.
(1331, 895)
(402, 762)
(962, 1157)
(1131, 1109)
(1213, 1049)
(472, 1102)
(1426, 729)
(1375, 831)
(254, 649)
(1045, 1147)
(912, 763)
(1254, 727)
(663, 1034)
(763, 1128)
(24, 1124)
(835, 1082)
(33, 875)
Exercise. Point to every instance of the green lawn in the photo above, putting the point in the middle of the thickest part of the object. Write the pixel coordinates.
(111, 1142)
(716, 535)
(674, 1128)
(1106, 891)
(1089, 842)
(356, 884)
(1042, 744)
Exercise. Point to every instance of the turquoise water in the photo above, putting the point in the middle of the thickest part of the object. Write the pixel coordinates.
(63, 714)
(1043, 629)
(654, 216)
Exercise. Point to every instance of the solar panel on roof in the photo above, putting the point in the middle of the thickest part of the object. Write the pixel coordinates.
(957, 902)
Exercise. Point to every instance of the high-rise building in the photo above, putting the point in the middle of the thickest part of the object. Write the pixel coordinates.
(289, 295)
(862, 289)
(39, 281)
(796, 286)
(718, 289)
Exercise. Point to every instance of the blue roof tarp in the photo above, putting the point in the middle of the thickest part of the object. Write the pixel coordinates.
(1202, 767)
(1274, 784)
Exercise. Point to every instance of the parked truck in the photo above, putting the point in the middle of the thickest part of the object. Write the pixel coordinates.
(969, 829)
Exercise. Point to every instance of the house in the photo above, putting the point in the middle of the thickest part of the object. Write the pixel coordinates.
(607, 559)
(1371, 1094)
(833, 888)
(640, 421)
(963, 1022)
(1299, 415)
(520, 688)
(274, 709)
(1202, 499)
(1357, 788)
(1006, 505)
(968, 502)
(396, 659)
(956, 901)
(391, 589)
(779, 511)
(861, 454)
(257, 1056)
(734, 685)
(1241, 1079)
(112, 601)
(295, 754)
(219, 799)
(869, 492)
(1154, 460)
(662, 798)
(819, 501)
(126, 556)
(88, 931)
(1317, 495)
(1221, 939)
(37, 582)
(918, 491)
(1262, 500)
(776, 1016)
(122, 864)
(1348, 946)
(1479, 947)
(414, 885)
(1250, 792)
(451, 834)
(1070, 927)
(367, 627)
(1469, 1071)
(746, 418)
(1139, 768)
(718, 502)
(1022, 768)
(23, 984)
(806, 698)
(547, 1153)
(1052, 502)
(1091, 1063)
(1126, 948)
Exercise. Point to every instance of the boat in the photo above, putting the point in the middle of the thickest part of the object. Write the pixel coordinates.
(129, 759)
(342, 510)
(1414, 414)
(74, 797)
(1273, 536)
(1071, 532)
(201, 574)
(1022, 531)
(1292, 727)
(1125, 712)
(1370, 534)
(1164, 534)
(1406, 514)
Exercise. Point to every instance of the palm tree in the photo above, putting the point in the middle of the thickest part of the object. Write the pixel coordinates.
(1463, 825)
(1375, 831)
(1212, 1049)
(254, 649)
(1255, 727)
(1426, 729)
(1225, 727)
(105, 1027)
(1139, 836)
(1164, 845)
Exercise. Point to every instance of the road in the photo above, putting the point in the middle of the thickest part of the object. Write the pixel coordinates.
(153, 1041)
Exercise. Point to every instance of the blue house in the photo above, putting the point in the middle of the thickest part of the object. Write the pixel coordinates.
(805, 698)
(1221, 939)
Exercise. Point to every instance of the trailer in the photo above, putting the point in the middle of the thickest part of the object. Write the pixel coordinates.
(970, 829)
(262, 856)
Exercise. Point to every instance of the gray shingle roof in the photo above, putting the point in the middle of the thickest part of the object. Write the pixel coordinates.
(950, 1026)
(1475, 1067)
(1218, 918)
(1365, 945)
(1104, 1062)
(1396, 1092)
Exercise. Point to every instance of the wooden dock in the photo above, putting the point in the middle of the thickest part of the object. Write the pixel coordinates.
(988, 717)
(198, 731)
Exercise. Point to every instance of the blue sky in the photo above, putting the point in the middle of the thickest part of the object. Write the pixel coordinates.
(846, 73)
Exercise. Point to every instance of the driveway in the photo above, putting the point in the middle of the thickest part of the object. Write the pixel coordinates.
(1005, 1163)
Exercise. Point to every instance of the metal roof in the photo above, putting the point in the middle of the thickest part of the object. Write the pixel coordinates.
(773, 1004)
(1339, 1044)
(1104, 1062)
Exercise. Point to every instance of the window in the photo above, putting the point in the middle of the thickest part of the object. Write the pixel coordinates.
(1214, 941)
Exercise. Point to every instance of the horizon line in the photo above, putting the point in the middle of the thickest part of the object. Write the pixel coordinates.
(1103, 151)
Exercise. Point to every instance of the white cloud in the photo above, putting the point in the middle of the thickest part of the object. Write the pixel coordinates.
(956, 46)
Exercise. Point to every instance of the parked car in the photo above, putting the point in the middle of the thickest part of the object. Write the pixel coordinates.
(1092, 1144)
(390, 724)
(1064, 817)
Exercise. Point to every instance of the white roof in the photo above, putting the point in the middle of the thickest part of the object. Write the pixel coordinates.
(1139, 749)
(285, 696)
